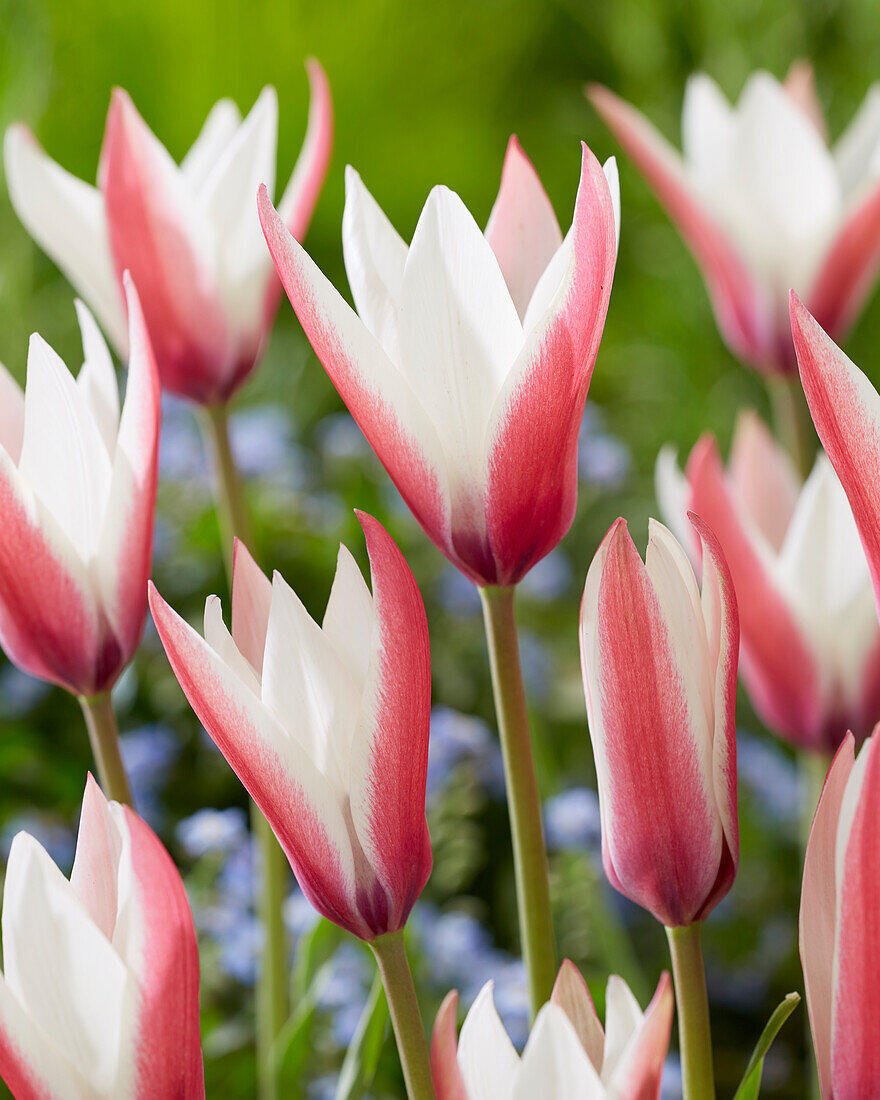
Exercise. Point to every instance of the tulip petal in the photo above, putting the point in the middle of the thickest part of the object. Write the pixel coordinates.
(534, 424)
(818, 908)
(301, 194)
(746, 323)
(764, 478)
(349, 618)
(777, 662)
(11, 415)
(855, 149)
(639, 1071)
(571, 993)
(97, 378)
(66, 217)
(31, 1067)
(96, 864)
(161, 235)
(489, 1065)
(622, 1018)
(389, 756)
(126, 552)
(448, 1081)
(846, 411)
(522, 228)
(381, 401)
(280, 777)
(554, 1063)
(219, 129)
(251, 604)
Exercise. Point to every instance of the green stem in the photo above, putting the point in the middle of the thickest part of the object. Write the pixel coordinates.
(272, 991)
(694, 1035)
(791, 419)
(406, 1019)
(523, 801)
(104, 737)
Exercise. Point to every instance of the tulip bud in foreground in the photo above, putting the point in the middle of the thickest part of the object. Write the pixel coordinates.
(77, 498)
(839, 939)
(659, 661)
(99, 995)
(568, 1053)
(326, 726)
(810, 656)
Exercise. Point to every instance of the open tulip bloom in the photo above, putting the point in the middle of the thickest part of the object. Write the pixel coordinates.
(839, 945)
(77, 497)
(659, 662)
(567, 1055)
(765, 205)
(99, 995)
(810, 637)
(189, 234)
(326, 726)
(468, 361)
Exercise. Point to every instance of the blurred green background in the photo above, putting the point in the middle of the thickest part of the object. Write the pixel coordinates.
(423, 94)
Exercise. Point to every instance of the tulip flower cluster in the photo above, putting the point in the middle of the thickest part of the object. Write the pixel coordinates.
(466, 362)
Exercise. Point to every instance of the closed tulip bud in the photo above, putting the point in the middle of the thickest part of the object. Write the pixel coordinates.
(77, 497)
(99, 995)
(568, 1053)
(468, 361)
(189, 233)
(810, 654)
(326, 726)
(839, 944)
(659, 661)
(764, 204)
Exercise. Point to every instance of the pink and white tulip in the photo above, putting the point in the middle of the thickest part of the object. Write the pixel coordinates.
(659, 661)
(840, 948)
(468, 361)
(99, 995)
(810, 637)
(326, 726)
(77, 500)
(764, 205)
(846, 411)
(189, 234)
(568, 1053)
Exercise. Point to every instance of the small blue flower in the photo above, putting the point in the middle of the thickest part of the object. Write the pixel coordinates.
(262, 442)
(770, 776)
(671, 1088)
(456, 594)
(148, 754)
(549, 579)
(603, 459)
(237, 881)
(571, 820)
(181, 451)
(19, 693)
(456, 737)
(55, 836)
(300, 916)
(511, 997)
(339, 437)
(537, 664)
(211, 830)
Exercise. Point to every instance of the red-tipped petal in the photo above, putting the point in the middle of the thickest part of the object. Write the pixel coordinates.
(448, 1081)
(251, 601)
(390, 754)
(532, 489)
(571, 993)
(846, 411)
(818, 912)
(640, 1073)
(301, 194)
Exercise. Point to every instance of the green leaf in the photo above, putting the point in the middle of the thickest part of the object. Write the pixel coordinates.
(362, 1056)
(312, 951)
(750, 1085)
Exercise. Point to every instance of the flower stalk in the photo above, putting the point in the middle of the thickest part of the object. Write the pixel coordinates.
(104, 739)
(694, 1033)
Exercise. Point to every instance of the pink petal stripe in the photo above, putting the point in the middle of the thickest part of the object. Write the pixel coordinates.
(95, 871)
(522, 228)
(448, 1081)
(778, 666)
(169, 1052)
(849, 268)
(388, 787)
(818, 912)
(251, 602)
(154, 234)
(659, 817)
(572, 994)
(746, 322)
(641, 1075)
(846, 411)
(301, 195)
(26, 1055)
(800, 86)
(532, 487)
(855, 1052)
(764, 481)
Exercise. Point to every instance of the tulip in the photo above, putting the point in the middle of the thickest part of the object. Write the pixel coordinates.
(326, 726)
(468, 362)
(189, 234)
(77, 497)
(659, 661)
(99, 995)
(764, 204)
(810, 638)
(568, 1054)
(839, 946)
(846, 411)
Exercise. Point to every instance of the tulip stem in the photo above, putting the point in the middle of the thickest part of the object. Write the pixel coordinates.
(791, 419)
(694, 1034)
(403, 1006)
(104, 738)
(523, 802)
(234, 520)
